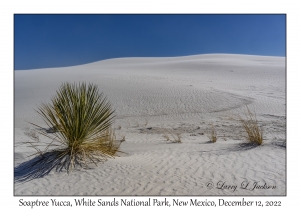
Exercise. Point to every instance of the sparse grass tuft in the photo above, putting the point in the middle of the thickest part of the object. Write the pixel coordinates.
(213, 134)
(253, 130)
(137, 124)
(166, 136)
(175, 137)
(83, 134)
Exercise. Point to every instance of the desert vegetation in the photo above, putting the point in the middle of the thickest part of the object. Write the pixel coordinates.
(82, 118)
(251, 126)
(137, 124)
(171, 136)
(212, 134)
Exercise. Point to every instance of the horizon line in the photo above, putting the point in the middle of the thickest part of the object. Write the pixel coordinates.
(148, 57)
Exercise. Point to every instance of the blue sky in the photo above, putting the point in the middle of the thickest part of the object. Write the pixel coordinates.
(43, 41)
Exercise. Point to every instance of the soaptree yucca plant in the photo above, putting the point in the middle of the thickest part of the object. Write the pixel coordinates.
(81, 131)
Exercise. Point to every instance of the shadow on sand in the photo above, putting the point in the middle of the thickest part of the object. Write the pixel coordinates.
(40, 166)
(244, 147)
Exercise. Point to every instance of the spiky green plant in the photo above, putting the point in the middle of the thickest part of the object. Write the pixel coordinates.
(81, 119)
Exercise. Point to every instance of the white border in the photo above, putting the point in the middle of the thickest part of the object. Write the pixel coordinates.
(9, 8)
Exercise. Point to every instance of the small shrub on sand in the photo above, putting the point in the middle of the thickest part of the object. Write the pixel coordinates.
(213, 134)
(176, 137)
(82, 119)
(253, 130)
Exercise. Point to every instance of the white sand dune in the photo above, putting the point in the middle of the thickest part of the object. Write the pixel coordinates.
(177, 94)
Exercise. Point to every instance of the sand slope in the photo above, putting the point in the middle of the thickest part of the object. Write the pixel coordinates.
(183, 95)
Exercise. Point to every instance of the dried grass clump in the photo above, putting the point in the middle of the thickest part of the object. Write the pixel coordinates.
(82, 119)
(253, 130)
(175, 137)
(213, 134)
